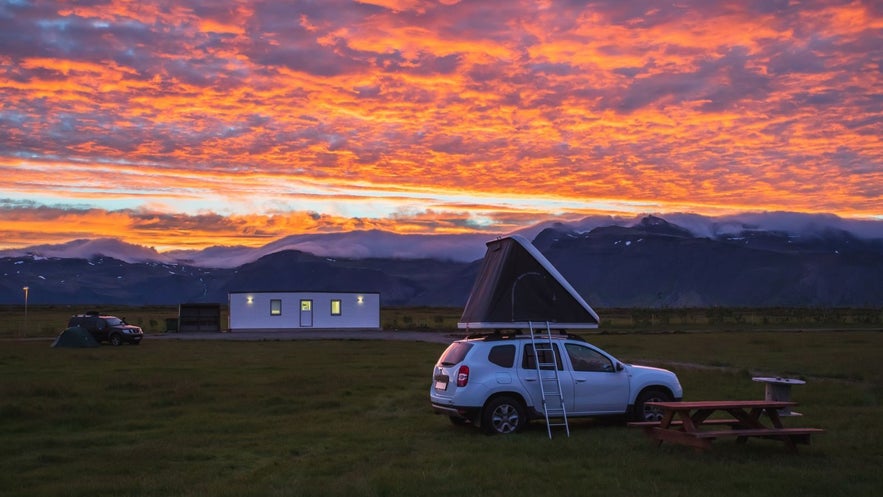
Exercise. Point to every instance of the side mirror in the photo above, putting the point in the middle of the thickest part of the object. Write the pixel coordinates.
(619, 366)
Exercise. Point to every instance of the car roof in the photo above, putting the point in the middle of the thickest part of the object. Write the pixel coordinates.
(517, 335)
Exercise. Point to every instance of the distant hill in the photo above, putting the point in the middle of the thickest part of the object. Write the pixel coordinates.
(649, 263)
(658, 264)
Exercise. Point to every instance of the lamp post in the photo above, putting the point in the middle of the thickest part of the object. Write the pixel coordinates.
(26, 310)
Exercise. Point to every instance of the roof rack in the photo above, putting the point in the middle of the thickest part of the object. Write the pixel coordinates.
(517, 333)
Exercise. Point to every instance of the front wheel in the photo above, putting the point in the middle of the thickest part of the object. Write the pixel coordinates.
(503, 415)
(116, 340)
(644, 412)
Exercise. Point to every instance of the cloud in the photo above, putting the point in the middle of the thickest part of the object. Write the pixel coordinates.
(359, 111)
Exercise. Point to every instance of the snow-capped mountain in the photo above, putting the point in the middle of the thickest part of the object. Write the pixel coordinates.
(355, 245)
(461, 248)
(646, 262)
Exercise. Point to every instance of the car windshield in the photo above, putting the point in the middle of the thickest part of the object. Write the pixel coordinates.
(114, 321)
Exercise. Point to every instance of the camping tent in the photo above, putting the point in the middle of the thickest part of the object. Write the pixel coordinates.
(517, 287)
(75, 337)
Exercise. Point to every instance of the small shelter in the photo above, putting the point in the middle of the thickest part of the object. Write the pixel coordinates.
(199, 317)
(517, 286)
(75, 337)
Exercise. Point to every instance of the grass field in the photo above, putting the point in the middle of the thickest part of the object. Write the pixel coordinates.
(300, 418)
(49, 320)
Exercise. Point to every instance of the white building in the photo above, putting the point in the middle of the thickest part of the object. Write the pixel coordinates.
(252, 311)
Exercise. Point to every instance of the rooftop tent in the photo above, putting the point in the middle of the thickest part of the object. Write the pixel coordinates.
(517, 286)
(75, 337)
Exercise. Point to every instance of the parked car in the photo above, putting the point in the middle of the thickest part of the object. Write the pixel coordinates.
(109, 329)
(492, 381)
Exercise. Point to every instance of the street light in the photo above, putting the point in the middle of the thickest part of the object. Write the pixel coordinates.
(26, 310)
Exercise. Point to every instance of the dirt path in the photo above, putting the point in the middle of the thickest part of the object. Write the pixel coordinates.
(285, 335)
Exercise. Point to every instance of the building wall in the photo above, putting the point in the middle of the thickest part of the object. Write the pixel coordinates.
(303, 310)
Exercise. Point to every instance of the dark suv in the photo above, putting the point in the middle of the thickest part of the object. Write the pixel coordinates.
(107, 328)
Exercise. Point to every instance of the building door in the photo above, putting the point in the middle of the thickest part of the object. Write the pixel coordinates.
(306, 313)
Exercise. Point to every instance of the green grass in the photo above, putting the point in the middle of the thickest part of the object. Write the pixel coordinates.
(187, 418)
(49, 320)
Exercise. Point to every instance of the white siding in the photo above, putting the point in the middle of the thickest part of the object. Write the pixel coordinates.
(282, 310)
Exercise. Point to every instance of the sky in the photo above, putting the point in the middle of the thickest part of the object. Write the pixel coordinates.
(186, 124)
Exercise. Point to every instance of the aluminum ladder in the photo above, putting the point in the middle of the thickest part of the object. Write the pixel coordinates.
(546, 356)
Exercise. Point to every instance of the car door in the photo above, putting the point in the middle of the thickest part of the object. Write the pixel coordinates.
(531, 379)
(101, 329)
(599, 387)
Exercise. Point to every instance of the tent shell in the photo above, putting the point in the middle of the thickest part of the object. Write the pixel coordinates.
(488, 292)
(75, 337)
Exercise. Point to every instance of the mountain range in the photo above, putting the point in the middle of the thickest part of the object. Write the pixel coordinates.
(682, 261)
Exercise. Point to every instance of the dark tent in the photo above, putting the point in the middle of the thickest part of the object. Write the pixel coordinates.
(75, 337)
(518, 286)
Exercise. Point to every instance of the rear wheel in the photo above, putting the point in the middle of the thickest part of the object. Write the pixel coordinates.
(503, 415)
(644, 412)
(116, 339)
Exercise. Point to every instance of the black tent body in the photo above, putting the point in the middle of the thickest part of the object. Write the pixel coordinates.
(517, 287)
(75, 337)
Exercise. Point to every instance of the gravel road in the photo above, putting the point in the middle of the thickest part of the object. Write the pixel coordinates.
(283, 335)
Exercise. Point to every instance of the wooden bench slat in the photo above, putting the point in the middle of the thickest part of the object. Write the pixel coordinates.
(756, 432)
(678, 422)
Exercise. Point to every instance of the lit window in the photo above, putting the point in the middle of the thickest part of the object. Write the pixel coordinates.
(306, 305)
(335, 307)
(275, 307)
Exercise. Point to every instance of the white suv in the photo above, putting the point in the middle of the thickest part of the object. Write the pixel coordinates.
(493, 381)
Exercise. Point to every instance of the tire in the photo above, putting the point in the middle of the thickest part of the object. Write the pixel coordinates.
(116, 340)
(503, 415)
(647, 413)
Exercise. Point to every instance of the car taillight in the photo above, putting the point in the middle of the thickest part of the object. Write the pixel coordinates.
(463, 376)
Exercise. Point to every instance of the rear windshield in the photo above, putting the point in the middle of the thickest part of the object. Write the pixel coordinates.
(455, 353)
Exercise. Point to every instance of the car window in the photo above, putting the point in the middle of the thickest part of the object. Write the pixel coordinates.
(114, 321)
(588, 359)
(502, 355)
(455, 353)
(545, 355)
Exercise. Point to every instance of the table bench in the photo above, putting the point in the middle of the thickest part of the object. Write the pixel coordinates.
(797, 435)
(685, 422)
(679, 422)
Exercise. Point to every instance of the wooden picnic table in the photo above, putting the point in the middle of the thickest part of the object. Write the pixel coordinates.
(693, 424)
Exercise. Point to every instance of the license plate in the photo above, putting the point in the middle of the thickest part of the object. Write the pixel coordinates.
(441, 385)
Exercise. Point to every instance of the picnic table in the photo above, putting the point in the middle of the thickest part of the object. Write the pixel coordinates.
(694, 424)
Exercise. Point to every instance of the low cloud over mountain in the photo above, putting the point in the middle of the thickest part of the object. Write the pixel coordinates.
(682, 260)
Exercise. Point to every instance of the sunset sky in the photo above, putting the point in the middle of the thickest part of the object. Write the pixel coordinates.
(193, 123)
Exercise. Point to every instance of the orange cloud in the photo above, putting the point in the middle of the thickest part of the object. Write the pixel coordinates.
(415, 116)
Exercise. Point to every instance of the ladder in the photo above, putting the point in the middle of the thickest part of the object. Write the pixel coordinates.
(546, 359)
